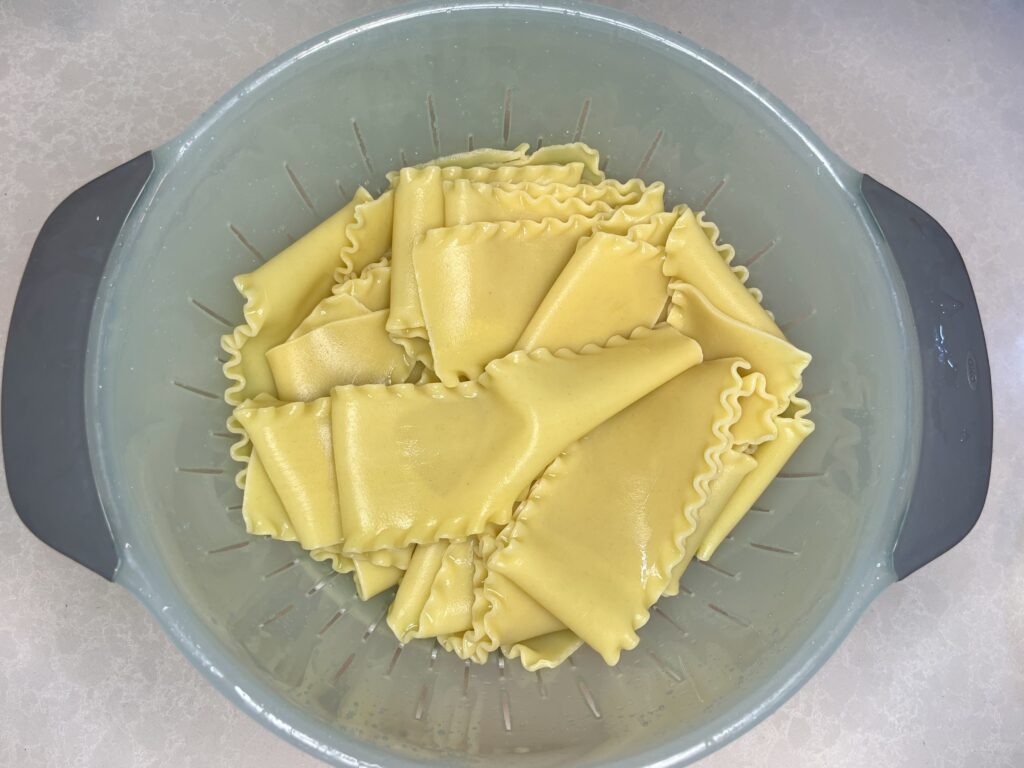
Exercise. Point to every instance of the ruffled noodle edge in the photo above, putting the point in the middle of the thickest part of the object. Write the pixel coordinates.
(477, 643)
(677, 300)
(728, 253)
(353, 235)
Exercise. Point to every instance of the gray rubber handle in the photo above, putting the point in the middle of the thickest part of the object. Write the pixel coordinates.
(46, 455)
(956, 443)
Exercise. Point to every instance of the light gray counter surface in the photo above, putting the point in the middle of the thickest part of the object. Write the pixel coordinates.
(926, 96)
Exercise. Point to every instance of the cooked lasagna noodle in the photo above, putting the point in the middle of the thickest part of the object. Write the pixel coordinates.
(523, 395)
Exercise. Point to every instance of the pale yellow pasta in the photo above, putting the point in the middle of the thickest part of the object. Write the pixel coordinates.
(356, 296)
(481, 283)
(771, 457)
(524, 395)
(468, 202)
(721, 335)
(457, 458)
(545, 651)
(562, 154)
(372, 579)
(339, 561)
(655, 230)
(357, 350)
(368, 236)
(614, 193)
(419, 207)
(483, 159)
(691, 256)
(395, 558)
(570, 174)
(735, 466)
(414, 590)
(278, 296)
(262, 510)
(619, 506)
(294, 445)
(449, 606)
(586, 303)
(342, 341)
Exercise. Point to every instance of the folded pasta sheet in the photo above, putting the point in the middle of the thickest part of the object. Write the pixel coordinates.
(479, 284)
(620, 505)
(420, 206)
(416, 464)
(278, 296)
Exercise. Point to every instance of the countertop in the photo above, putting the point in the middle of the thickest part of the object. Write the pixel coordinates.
(926, 96)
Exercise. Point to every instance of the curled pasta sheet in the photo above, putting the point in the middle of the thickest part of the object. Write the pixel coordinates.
(727, 252)
(475, 159)
(655, 230)
(587, 303)
(339, 561)
(601, 509)
(356, 350)
(372, 574)
(372, 579)
(414, 590)
(468, 202)
(736, 465)
(368, 237)
(692, 257)
(294, 445)
(481, 283)
(757, 420)
(620, 220)
(457, 458)
(448, 609)
(262, 510)
(721, 335)
(563, 154)
(504, 616)
(545, 651)
(394, 558)
(419, 207)
(356, 296)
(278, 296)
(771, 457)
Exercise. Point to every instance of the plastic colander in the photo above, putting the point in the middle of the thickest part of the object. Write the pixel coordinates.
(113, 417)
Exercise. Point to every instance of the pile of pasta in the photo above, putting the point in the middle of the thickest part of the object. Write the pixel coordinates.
(524, 394)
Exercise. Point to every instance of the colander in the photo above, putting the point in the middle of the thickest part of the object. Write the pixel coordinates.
(113, 418)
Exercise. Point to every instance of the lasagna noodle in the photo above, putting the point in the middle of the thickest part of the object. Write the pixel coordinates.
(294, 445)
(356, 350)
(771, 457)
(419, 205)
(278, 296)
(457, 458)
(587, 303)
(619, 505)
(691, 256)
(479, 284)
(368, 237)
(467, 202)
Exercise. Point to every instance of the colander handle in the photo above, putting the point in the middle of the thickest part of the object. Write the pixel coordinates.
(46, 453)
(956, 442)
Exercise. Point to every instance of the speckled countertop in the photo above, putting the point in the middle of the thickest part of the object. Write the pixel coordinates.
(927, 96)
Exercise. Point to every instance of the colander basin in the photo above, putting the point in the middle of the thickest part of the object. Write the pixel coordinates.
(854, 274)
